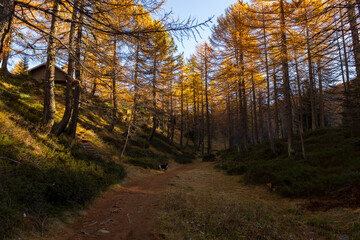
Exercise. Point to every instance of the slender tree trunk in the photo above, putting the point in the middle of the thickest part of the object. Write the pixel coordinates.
(276, 98)
(268, 104)
(235, 130)
(195, 119)
(187, 123)
(202, 120)
(153, 130)
(253, 134)
(345, 51)
(286, 76)
(243, 101)
(70, 74)
(7, 8)
(354, 35)
(341, 62)
(261, 118)
(311, 77)
(254, 108)
(114, 98)
(199, 125)
(345, 81)
(6, 52)
(230, 124)
(136, 73)
(301, 127)
(172, 117)
(321, 96)
(78, 79)
(181, 111)
(208, 121)
(49, 82)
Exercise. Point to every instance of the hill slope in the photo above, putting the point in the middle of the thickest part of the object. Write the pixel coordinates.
(42, 177)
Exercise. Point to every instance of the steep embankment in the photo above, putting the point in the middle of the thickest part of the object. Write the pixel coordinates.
(43, 177)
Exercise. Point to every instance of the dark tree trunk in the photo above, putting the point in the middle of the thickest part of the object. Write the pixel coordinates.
(187, 123)
(136, 74)
(345, 51)
(172, 117)
(276, 102)
(354, 35)
(114, 98)
(321, 96)
(94, 87)
(244, 133)
(153, 130)
(198, 126)
(78, 80)
(195, 119)
(230, 123)
(286, 79)
(301, 125)
(181, 111)
(6, 52)
(7, 8)
(208, 121)
(70, 74)
(341, 62)
(261, 118)
(49, 82)
(202, 121)
(311, 77)
(254, 111)
(268, 104)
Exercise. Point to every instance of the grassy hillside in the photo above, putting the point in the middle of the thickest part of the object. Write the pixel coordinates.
(331, 173)
(41, 177)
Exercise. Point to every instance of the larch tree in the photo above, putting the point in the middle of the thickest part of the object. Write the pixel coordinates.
(49, 81)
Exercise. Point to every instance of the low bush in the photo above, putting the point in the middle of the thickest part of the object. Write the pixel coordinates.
(161, 143)
(63, 181)
(209, 158)
(184, 158)
(236, 168)
(139, 142)
(146, 162)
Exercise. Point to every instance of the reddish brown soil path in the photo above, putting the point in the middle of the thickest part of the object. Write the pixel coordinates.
(127, 213)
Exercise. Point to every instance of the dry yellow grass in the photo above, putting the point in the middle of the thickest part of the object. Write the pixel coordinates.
(207, 204)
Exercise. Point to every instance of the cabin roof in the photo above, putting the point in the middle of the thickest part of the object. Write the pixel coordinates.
(44, 65)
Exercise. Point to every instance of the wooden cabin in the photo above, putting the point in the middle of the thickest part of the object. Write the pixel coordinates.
(38, 74)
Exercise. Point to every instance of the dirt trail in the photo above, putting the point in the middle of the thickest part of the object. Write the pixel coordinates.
(127, 212)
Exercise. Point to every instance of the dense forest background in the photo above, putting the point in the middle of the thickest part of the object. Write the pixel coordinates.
(270, 69)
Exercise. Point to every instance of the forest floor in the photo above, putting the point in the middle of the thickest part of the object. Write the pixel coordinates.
(196, 201)
(124, 212)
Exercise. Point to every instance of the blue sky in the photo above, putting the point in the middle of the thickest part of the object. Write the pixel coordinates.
(201, 10)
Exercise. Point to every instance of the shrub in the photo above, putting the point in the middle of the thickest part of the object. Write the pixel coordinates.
(139, 142)
(209, 158)
(236, 168)
(184, 158)
(146, 162)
